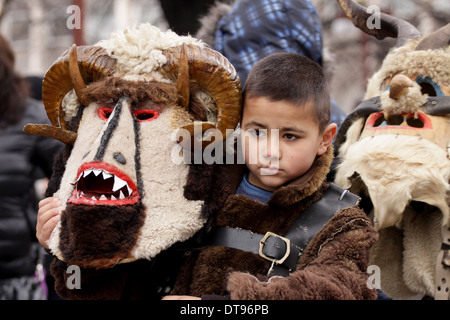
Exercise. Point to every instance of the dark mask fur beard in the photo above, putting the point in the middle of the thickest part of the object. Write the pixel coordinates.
(109, 234)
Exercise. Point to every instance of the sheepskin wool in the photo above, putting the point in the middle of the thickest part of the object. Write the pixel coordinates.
(406, 254)
(93, 249)
(406, 60)
(139, 54)
(84, 151)
(397, 169)
(169, 219)
(138, 50)
(410, 103)
(85, 137)
(70, 105)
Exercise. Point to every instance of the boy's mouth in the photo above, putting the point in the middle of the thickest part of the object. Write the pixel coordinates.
(269, 171)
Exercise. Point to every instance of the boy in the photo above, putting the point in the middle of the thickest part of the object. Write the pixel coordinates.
(285, 121)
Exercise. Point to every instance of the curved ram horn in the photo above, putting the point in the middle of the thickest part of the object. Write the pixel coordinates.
(93, 63)
(215, 75)
(183, 80)
(390, 26)
(75, 74)
(65, 136)
(438, 39)
(71, 71)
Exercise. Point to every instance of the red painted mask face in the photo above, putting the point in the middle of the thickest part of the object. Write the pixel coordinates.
(427, 123)
(120, 170)
(434, 128)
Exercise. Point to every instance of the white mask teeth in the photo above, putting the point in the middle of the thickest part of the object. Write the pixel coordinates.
(118, 186)
(107, 175)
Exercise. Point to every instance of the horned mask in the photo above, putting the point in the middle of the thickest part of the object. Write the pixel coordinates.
(394, 152)
(117, 105)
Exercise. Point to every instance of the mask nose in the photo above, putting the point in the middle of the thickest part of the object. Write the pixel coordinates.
(399, 86)
(119, 158)
(404, 96)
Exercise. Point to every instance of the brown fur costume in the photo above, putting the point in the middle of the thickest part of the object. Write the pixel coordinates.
(333, 265)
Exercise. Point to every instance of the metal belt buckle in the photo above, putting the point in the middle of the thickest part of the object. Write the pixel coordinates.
(262, 243)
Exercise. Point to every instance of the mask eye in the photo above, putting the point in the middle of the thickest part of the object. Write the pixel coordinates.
(385, 85)
(428, 86)
(104, 113)
(146, 115)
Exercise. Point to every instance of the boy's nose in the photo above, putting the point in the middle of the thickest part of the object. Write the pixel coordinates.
(272, 149)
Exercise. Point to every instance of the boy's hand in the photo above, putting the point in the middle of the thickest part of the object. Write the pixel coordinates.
(48, 217)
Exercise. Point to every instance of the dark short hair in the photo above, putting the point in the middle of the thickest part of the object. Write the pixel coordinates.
(293, 78)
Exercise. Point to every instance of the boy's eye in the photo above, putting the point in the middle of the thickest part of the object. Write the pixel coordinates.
(290, 137)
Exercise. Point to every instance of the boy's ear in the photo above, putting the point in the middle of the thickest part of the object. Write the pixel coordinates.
(327, 138)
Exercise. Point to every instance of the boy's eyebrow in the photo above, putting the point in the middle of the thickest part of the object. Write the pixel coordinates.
(254, 123)
(292, 129)
(284, 129)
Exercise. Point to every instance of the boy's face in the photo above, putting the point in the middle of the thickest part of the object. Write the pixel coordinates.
(280, 141)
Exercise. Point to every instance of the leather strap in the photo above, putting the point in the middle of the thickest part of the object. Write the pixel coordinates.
(316, 215)
(285, 251)
(313, 219)
(270, 246)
